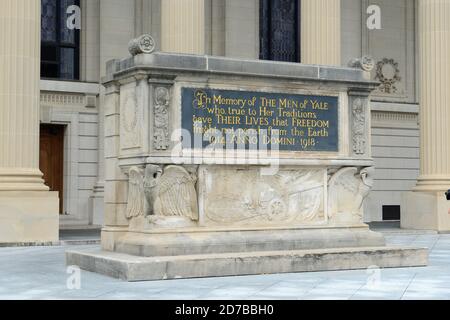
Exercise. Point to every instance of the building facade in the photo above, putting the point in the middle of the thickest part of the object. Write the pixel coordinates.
(71, 41)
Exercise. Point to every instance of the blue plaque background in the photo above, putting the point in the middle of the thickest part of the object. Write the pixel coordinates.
(329, 143)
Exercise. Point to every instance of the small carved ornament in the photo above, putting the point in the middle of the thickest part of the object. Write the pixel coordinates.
(143, 44)
(366, 63)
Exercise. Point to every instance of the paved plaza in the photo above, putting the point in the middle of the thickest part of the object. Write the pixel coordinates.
(40, 273)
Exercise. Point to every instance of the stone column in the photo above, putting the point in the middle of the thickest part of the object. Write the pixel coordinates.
(321, 32)
(183, 26)
(28, 212)
(427, 206)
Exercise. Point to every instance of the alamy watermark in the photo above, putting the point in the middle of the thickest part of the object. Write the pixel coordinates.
(373, 21)
(74, 17)
(73, 282)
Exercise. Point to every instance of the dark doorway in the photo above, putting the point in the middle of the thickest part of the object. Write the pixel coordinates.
(51, 158)
(279, 30)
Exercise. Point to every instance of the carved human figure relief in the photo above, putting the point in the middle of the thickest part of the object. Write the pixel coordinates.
(347, 190)
(171, 193)
(239, 197)
(359, 127)
(161, 116)
(135, 203)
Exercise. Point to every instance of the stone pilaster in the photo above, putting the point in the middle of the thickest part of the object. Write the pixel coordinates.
(28, 212)
(183, 26)
(98, 200)
(321, 32)
(427, 208)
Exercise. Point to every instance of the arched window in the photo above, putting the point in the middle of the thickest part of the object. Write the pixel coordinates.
(59, 45)
(279, 30)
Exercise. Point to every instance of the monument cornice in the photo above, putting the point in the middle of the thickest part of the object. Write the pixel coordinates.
(169, 66)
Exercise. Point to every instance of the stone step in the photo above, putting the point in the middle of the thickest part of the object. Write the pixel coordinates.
(134, 268)
(182, 243)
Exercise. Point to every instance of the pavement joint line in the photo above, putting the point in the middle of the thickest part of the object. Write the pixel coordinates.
(409, 284)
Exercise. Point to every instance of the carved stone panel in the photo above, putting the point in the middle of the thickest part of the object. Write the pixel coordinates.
(348, 187)
(130, 119)
(359, 125)
(170, 194)
(135, 201)
(161, 138)
(244, 197)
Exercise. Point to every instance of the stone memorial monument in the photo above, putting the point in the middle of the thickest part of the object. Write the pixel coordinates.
(218, 166)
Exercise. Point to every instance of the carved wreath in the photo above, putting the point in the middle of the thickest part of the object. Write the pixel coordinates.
(388, 79)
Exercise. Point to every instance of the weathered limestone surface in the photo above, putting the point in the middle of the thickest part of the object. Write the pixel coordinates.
(174, 205)
(135, 268)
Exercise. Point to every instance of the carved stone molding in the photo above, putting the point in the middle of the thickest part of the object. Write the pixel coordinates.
(386, 118)
(161, 119)
(388, 73)
(62, 99)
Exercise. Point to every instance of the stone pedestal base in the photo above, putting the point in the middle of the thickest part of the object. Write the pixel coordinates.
(425, 211)
(159, 255)
(133, 268)
(29, 217)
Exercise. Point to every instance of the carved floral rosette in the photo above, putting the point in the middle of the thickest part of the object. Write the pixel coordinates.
(143, 44)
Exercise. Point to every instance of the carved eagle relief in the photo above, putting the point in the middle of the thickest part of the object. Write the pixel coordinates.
(136, 198)
(171, 193)
(348, 189)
